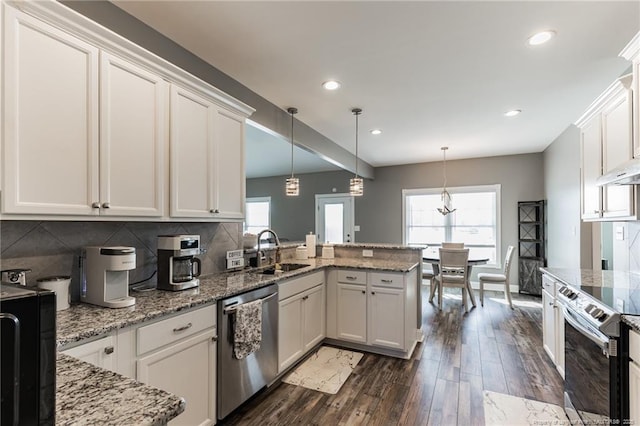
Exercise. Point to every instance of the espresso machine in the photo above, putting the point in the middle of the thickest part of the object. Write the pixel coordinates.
(105, 276)
(177, 261)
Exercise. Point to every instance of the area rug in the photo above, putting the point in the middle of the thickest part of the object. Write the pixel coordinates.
(325, 371)
(507, 410)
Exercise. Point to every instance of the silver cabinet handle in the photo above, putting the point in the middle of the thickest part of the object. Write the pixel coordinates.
(349, 277)
(387, 281)
(108, 350)
(214, 211)
(214, 339)
(106, 205)
(183, 328)
(597, 211)
(305, 297)
(95, 205)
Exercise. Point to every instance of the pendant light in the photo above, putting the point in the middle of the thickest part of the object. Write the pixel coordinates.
(292, 185)
(356, 184)
(445, 196)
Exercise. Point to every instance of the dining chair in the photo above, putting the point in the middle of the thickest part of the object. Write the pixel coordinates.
(453, 273)
(498, 278)
(453, 245)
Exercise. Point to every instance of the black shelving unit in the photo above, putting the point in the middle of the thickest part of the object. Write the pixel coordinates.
(531, 246)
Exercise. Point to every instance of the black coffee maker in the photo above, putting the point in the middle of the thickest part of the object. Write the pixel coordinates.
(178, 268)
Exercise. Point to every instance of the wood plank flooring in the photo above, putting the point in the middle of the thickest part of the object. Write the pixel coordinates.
(491, 348)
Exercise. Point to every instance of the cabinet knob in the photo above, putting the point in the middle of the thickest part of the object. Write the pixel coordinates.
(95, 205)
(373, 292)
(106, 205)
(214, 339)
(597, 211)
(364, 292)
(305, 297)
(214, 211)
(108, 350)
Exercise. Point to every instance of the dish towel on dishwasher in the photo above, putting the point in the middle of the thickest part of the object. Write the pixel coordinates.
(247, 329)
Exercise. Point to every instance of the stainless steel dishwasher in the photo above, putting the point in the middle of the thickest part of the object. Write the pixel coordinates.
(239, 379)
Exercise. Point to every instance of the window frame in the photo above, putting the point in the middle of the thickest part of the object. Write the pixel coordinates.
(256, 200)
(495, 188)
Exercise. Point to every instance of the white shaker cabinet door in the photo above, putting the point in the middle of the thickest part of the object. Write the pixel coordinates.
(548, 325)
(352, 312)
(133, 106)
(186, 369)
(100, 353)
(617, 148)
(229, 166)
(386, 320)
(50, 162)
(591, 152)
(290, 326)
(192, 151)
(314, 317)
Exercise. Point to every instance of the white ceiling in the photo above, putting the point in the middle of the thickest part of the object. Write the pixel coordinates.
(427, 73)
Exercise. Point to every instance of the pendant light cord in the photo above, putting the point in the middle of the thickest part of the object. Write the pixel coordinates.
(444, 166)
(356, 112)
(292, 111)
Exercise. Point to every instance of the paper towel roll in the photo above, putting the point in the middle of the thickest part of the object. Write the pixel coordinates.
(311, 245)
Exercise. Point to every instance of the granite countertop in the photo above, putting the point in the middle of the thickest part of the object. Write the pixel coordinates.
(82, 321)
(608, 279)
(86, 394)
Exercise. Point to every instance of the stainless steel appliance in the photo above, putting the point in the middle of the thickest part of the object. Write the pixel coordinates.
(596, 389)
(178, 268)
(28, 356)
(15, 276)
(239, 379)
(105, 276)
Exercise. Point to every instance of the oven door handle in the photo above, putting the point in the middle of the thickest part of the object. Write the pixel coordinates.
(602, 342)
(232, 308)
(16, 365)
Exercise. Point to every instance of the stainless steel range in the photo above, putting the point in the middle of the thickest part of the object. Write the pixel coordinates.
(596, 346)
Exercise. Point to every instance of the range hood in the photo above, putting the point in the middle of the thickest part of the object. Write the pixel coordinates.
(626, 174)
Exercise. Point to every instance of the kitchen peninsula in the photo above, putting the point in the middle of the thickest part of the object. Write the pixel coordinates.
(116, 330)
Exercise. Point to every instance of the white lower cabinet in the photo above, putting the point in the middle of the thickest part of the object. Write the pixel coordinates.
(186, 369)
(552, 323)
(301, 317)
(548, 325)
(100, 352)
(178, 354)
(377, 309)
(634, 378)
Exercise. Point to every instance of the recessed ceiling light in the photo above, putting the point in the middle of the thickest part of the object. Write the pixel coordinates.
(541, 37)
(513, 112)
(331, 85)
(376, 131)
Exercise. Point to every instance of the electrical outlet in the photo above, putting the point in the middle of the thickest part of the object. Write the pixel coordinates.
(367, 253)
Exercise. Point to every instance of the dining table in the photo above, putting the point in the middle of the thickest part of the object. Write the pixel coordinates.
(434, 260)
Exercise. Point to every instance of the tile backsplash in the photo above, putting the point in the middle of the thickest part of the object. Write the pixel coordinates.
(634, 246)
(53, 248)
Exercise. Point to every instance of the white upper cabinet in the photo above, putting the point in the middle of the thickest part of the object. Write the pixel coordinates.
(50, 163)
(91, 127)
(192, 153)
(133, 105)
(632, 53)
(606, 142)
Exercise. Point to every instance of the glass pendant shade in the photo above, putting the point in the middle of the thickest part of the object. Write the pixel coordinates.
(356, 186)
(445, 197)
(293, 187)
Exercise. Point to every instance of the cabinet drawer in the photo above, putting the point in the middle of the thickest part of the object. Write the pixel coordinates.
(294, 286)
(386, 279)
(548, 284)
(164, 332)
(634, 346)
(352, 277)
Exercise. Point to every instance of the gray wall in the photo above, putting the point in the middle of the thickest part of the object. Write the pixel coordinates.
(53, 248)
(568, 239)
(293, 217)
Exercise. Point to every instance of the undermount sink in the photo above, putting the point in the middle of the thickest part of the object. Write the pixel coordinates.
(285, 267)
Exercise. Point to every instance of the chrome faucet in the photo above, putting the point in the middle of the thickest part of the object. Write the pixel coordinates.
(260, 254)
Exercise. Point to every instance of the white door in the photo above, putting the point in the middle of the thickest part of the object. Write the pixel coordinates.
(133, 104)
(591, 151)
(548, 325)
(186, 369)
(50, 126)
(634, 393)
(229, 200)
(352, 312)
(386, 317)
(334, 218)
(290, 324)
(314, 313)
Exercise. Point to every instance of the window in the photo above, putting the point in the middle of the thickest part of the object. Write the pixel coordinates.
(476, 221)
(258, 215)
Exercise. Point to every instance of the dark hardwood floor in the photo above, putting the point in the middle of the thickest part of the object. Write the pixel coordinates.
(491, 348)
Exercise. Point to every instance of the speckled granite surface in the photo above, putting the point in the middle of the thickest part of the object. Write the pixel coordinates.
(629, 282)
(82, 321)
(86, 394)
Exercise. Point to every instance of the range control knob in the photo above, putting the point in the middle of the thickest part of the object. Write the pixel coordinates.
(603, 317)
(590, 307)
(597, 313)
